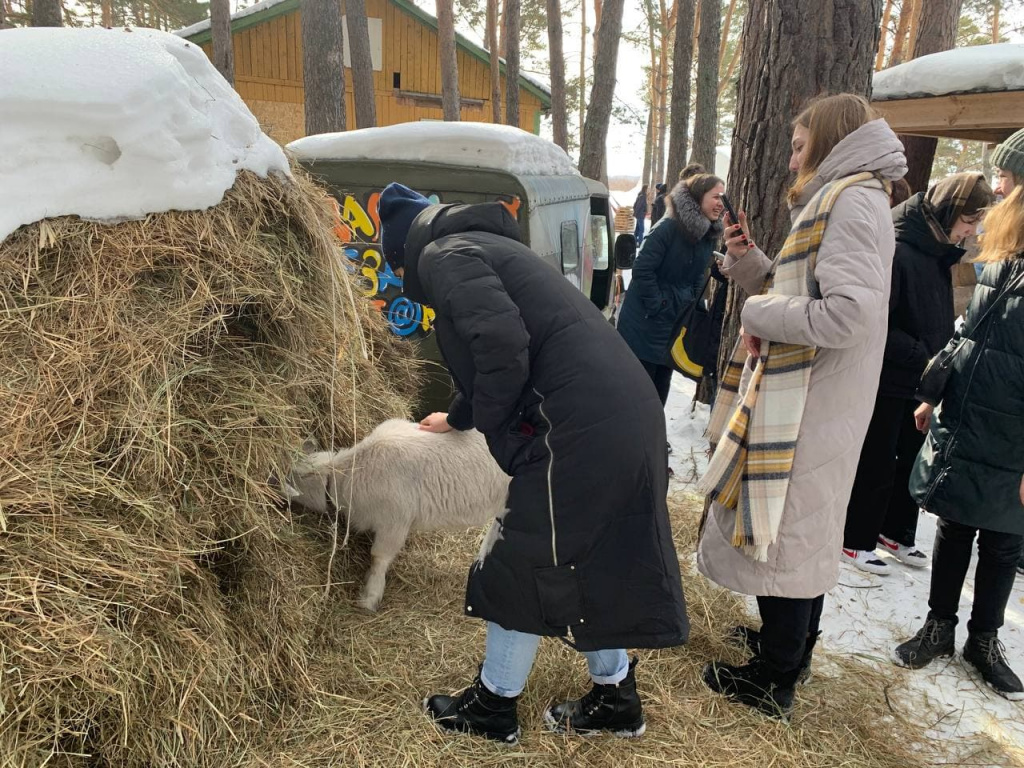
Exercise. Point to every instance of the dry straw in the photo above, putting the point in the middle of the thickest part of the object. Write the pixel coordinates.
(159, 610)
(156, 604)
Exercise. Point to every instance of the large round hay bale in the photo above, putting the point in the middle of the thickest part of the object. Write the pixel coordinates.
(155, 375)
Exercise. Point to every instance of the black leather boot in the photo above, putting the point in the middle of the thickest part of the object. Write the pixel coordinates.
(751, 640)
(614, 708)
(936, 638)
(986, 654)
(757, 684)
(476, 710)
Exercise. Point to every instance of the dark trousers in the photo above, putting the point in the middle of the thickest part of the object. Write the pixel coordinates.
(993, 578)
(786, 624)
(638, 233)
(881, 501)
(661, 375)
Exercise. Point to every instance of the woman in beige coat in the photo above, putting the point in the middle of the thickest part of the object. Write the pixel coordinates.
(843, 319)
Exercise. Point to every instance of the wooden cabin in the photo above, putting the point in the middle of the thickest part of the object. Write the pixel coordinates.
(406, 71)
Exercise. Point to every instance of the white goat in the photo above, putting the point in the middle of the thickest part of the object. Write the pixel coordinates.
(398, 479)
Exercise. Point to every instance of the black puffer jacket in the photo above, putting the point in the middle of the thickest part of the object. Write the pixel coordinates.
(585, 547)
(921, 302)
(970, 467)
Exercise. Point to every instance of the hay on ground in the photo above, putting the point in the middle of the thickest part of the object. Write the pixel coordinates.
(375, 669)
(156, 605)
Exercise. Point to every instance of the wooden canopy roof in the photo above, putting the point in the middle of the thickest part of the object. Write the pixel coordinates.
(988, 116)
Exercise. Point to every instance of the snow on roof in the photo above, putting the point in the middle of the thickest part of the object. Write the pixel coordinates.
(978, 68)
(474, 145)
(202, 26)
(116, 123)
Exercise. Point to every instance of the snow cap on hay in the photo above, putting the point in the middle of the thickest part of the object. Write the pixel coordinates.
(158, 603)
(118, 123)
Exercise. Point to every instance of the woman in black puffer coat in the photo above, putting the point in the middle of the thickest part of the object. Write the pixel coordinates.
(970, 472)
(584, 549)
(929, 228)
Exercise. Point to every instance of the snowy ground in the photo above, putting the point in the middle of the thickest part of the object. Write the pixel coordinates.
(869, 615)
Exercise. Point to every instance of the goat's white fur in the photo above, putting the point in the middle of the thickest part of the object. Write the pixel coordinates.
(399, 479)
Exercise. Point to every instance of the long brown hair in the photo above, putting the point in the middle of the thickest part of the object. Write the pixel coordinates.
(1003, 237)
(828, 120)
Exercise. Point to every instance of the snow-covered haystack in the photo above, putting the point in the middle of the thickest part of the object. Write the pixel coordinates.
(157, 602)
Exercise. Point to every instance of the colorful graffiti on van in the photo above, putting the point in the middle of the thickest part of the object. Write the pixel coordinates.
(358, 227)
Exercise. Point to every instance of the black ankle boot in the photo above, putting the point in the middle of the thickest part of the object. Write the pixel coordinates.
(614, 708)
(936, 638)
(476, 710)
(986, 654)
(751, 640)
(757, 684)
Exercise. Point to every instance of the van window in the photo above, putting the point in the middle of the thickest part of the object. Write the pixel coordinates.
(570, 247)
(599, 238)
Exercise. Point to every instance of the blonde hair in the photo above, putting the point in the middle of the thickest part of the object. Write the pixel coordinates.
(1003, 237)
(828, 120)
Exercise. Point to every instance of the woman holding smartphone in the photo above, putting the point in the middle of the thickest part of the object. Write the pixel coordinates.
(794, 404)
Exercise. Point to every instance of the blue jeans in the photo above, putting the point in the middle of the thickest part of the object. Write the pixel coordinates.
(639, 232)
(509, 657)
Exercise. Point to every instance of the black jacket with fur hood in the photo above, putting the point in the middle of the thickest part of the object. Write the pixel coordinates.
(667, 276)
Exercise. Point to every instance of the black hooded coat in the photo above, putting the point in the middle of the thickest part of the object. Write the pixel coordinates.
(585, 547)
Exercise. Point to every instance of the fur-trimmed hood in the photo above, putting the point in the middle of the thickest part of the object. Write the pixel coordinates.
(687, 214)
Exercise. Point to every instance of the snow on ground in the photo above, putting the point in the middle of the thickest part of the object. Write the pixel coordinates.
(113, 124)
(998, 67)
(869, 615)
(474, 145)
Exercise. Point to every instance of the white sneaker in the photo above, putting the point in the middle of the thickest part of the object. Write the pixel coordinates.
(865, 561)
(911, 556)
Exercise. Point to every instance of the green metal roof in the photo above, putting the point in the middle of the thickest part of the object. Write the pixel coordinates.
(288, 6)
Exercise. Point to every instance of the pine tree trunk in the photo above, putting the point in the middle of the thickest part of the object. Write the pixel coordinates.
(106, 16)
(883, 33)
(513, 11)
(559, 117)
(363, 92)
(679, 109)
(899, 40)
(323, 66)
(792, 51)
(733, 60)
(705, 122)
(495, 67)
(936, 31)
(726, 27)
(451, 101)
(47, 13)
(223, 45)
(582, 90)
(662, 93)
(645, 178)
(3, 14)
(595, 129)
(996, 5)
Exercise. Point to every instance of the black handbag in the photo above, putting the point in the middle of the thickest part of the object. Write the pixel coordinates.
(936, 374)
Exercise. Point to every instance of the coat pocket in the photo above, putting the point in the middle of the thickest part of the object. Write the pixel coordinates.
(560, 595)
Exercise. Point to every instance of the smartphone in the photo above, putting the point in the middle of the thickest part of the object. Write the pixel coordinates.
(733, 218)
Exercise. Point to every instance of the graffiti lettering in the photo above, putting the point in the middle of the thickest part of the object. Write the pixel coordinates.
(358, 227)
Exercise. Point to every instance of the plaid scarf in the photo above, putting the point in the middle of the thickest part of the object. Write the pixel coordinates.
(757, 432)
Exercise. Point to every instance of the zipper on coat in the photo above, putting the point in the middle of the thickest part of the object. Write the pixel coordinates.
(551, 467)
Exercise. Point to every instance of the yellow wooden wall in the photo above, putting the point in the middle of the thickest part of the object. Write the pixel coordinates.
(268, 74)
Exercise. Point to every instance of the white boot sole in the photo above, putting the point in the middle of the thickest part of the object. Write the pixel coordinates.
(554, 726)
(878, 570)
(975, 673)
(510, 741)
